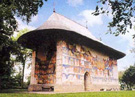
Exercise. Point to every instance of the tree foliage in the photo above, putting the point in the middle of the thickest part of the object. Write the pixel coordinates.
(23, 54)
(9, 9)
(129, 77)
(122, 85)
(123, 12)
(6, 63)
(20, 8)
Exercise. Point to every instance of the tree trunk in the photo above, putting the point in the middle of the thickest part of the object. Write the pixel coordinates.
(130, 87)
(23, 72)
(127, 87)
(0, 83)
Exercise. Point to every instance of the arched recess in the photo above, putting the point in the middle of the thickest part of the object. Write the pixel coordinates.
(86, 81)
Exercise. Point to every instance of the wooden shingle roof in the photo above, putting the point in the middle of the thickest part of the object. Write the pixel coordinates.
(59, 26)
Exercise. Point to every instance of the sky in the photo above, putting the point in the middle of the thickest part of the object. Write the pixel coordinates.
(80, 11)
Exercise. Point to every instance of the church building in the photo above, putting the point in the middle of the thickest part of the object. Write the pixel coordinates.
(66, 57)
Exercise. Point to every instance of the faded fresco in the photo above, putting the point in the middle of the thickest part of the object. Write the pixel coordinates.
(45, 67)
(77, 60)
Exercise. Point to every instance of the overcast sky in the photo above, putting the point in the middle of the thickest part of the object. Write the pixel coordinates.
(80, 11)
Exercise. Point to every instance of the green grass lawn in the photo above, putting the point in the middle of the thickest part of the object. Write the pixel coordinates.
(86, 94)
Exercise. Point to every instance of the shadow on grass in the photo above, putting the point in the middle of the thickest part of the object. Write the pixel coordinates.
(13, 91)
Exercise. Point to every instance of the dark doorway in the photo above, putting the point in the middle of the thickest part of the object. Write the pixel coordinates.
(86, 81)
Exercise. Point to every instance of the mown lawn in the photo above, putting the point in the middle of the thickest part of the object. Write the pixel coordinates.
(86, 94)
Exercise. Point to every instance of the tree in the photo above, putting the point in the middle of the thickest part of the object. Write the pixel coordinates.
(15, 79)
(122, 85)
(9, 9)
(129, 77)
(123, 12)
(6, 64)
(23, 54)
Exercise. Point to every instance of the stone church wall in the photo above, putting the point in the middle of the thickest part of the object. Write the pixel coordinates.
(75, 60)
(65, 66)
(45, 67)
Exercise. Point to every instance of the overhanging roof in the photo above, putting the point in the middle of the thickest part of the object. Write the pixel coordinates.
(60, 27)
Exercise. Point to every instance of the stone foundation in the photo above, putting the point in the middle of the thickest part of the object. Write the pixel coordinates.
(80, 88)
(35, 88)
(104, 88)
(68, 88)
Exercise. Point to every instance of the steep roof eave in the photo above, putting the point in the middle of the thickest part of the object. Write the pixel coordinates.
(57, 21)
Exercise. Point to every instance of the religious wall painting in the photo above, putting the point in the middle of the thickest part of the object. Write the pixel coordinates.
(76, 69)
(45, 69)
(82, 57)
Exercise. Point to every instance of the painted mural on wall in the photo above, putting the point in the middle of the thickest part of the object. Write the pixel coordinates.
(45, 67)
(77, 60)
